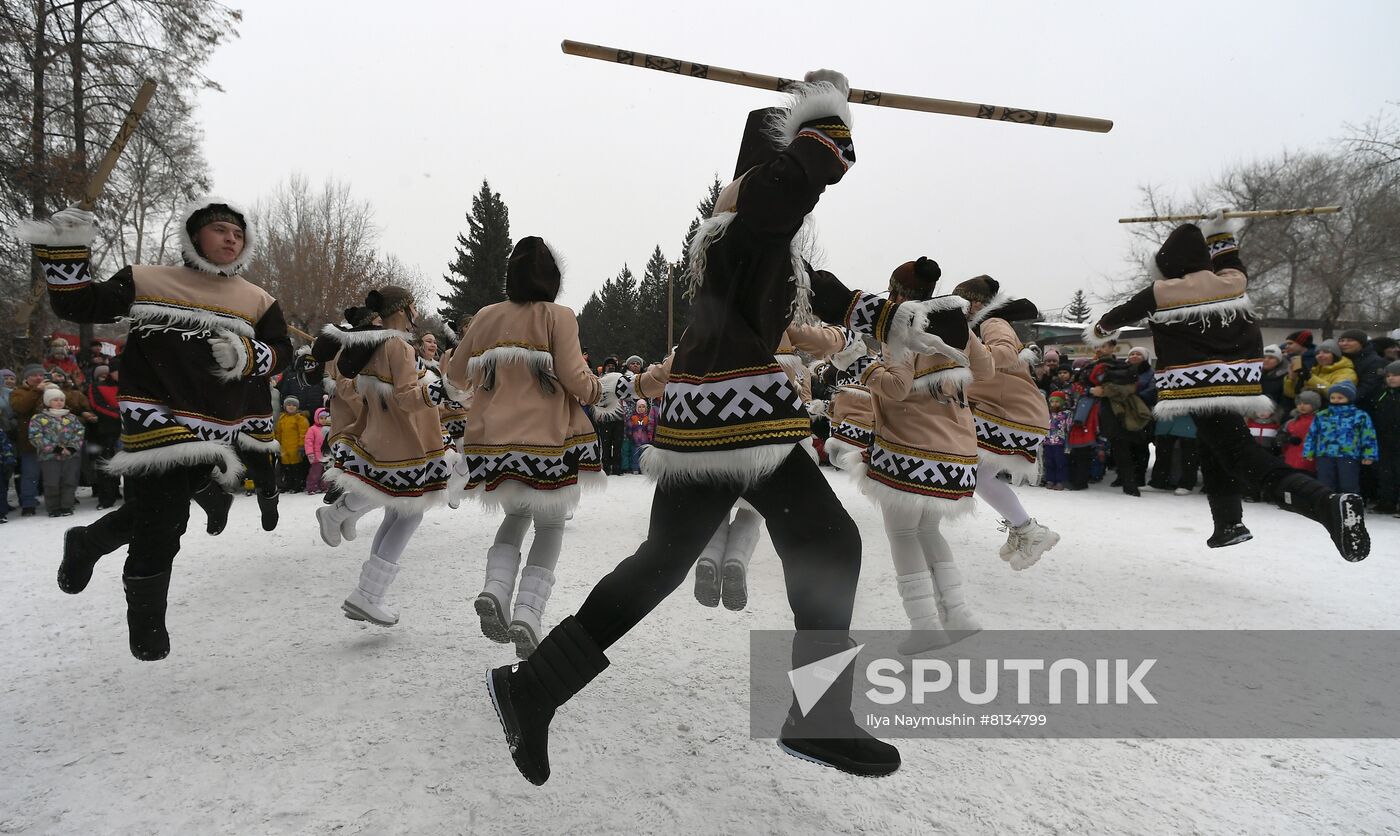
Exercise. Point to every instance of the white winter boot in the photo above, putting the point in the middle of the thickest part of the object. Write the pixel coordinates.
(738, 550)
(958, 617)
(536, 582)
(1026, 543)
(707, 580)
(337, 521)
(921, 605)
(366, 603)
(502, 562)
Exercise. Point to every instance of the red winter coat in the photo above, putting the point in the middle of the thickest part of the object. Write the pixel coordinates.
(1294, 432)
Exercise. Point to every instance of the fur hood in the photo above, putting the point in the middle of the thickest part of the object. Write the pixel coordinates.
(191, 252)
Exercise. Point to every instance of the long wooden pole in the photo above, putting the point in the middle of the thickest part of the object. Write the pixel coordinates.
(1248, 213)
(99, 178)
(998, 113)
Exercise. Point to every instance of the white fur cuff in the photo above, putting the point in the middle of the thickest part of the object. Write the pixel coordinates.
(1093, 340)
(52, 234)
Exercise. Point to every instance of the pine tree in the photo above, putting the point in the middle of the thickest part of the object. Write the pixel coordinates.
(651, 308)
(478, 275)
(608, 323)
(1078, 309)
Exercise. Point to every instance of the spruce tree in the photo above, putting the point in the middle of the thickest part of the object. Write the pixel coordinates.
(651, 308)
(477, 277)
(1078, 309)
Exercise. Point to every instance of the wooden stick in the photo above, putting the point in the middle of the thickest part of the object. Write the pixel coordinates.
(1250, 213)
(301, 333)
(99, 178)
(949, 107)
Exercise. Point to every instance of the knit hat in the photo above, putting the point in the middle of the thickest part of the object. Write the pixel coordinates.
(98, 371)
(1330, 346)
(319, 413)
(533, 273)
(1393, 368)
(978, 289)
(1146, 355)
(633, 359)
(291, 399)
(1303, 337)
(1183, 252)
(1057, 395)
(1272, 350)
(388, 300)
(31, 369)
(1051, 356)
(7, 372)
(1345, 387)
(1310, 398)
(54, 394)
(916, 279)
(1354, 334)
(1383, 344)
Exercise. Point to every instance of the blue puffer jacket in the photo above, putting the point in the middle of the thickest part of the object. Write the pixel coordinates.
(1341, 432)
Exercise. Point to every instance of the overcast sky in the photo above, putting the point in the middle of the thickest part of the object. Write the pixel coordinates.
(414, 102)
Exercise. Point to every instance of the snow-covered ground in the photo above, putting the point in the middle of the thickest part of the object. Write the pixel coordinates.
(274, 714)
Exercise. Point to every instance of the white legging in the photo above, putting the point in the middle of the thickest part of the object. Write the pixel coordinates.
(915, 540)
(549, 534)
(999, 495)
(734, 542)
(395, 530)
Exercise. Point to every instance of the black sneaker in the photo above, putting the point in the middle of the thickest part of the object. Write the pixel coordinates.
(1229, 535)
(1344, 514)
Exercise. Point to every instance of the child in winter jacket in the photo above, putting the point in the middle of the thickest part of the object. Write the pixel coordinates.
(291, 435)
(1056, 457)
(317, 448)
(1295, 432)
(1264, 429)
(641, 428)
(57, 436)
(1385, 414)
(1341, 439)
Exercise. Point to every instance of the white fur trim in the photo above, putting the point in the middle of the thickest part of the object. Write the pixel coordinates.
(513, 495)
(252, 445)
(1028, 356)
(842, 454)
(792, 364)
(911, 318)
(154, 315)
(234, 374)
(403, 504)
(810, 100)
(810, 445)
(160, 459)
(741, 468)
(1226, 310)
(461, 396)
(1000, 300)
(47, 233)
(1244, 405)
(368, 385)
(1154, 270)
(932, 383)
(885, 496)
(609, 407)
(365, 338)
(191, 254)
(534, 359)
(710, 230)
(1020, 469)
(1093, 340)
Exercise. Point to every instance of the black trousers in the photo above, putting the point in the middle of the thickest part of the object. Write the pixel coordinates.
(816, 539)
(1232, 461)
(1167, 446)
(1081, 462)
(105, 485)
(151, 521)
(610, 446)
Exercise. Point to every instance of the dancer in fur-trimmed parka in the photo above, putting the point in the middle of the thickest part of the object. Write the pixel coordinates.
(361, 328)
(528, 447)
(1210, 366)
(392, 455)
(730, 426)
(1011, 416)
(923, 463)
(201, 338)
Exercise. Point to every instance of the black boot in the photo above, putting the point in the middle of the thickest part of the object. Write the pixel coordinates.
(145, 616)
(527, 694)
(267, 503)
(827, 734)
(1342, 514)
(78, 559)
(1227, 513)
(216, 503)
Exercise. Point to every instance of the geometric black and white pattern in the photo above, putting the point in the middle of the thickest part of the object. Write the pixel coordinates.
(262, 358)
(454, 427)
(148, 425)
(748, 398)
(1240, 377)
(400, 479)
(997, 437)
(856, 434)
(922, 471)
(64, 267)
(865, 313)
(539, 468)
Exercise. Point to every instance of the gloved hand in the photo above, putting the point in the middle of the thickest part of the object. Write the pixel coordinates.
(831, 77)
(72, 216)
(1218, 223)
(227, 350)
(846, 356)
(818, 409)
(70, 227)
